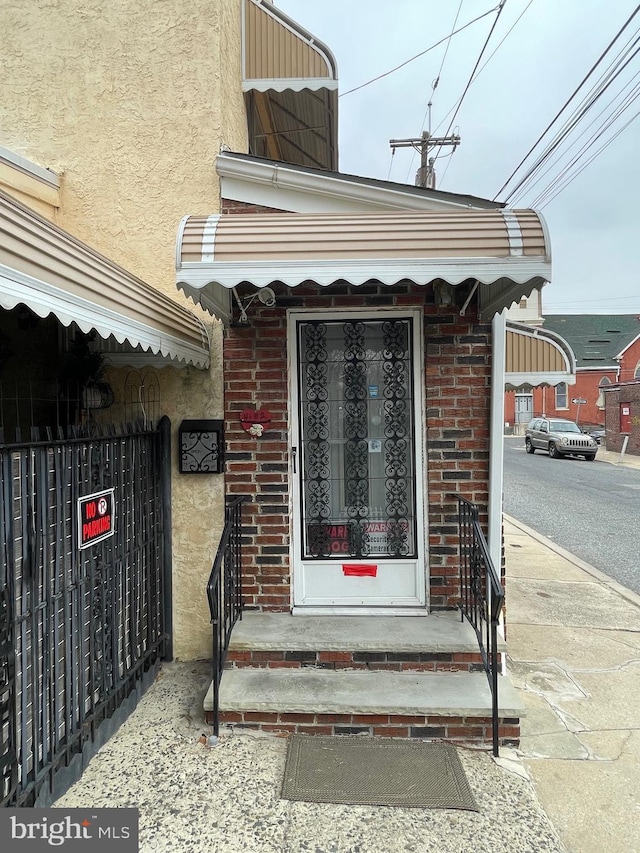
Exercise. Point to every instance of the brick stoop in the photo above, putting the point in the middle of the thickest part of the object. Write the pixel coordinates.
(379, 676)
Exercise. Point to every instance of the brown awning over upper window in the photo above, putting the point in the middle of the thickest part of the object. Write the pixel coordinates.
(291, 89)
(505, 251)
(51, 272)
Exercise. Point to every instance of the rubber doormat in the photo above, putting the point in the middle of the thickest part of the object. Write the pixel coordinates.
(375, 772)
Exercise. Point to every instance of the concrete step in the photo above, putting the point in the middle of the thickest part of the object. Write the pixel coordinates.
(439, 642)
(455, 707)
(378, 675)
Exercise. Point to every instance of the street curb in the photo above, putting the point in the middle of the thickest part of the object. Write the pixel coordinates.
(628, 594)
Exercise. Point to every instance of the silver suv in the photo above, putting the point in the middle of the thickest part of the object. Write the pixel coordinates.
(559, 438)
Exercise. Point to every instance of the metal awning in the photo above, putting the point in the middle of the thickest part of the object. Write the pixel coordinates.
(505, 251)
(51, 272)
(536, 356)
(289, 78)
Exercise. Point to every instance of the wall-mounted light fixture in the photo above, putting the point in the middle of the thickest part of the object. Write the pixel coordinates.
(264, 295)
(201, 446)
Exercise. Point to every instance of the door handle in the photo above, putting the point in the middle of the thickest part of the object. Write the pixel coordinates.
(294, 453)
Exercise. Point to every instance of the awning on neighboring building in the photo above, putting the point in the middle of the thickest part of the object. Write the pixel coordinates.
(506, 252)
(291, 89)
(536, 356)
(51, 272)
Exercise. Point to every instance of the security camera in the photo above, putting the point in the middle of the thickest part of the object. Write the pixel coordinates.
(267, 297)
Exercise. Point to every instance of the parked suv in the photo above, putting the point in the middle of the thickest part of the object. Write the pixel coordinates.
(559, 438)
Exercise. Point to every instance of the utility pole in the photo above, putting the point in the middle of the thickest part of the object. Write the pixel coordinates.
(425, 176)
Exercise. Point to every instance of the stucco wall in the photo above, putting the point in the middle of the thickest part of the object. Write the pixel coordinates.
(129, 102)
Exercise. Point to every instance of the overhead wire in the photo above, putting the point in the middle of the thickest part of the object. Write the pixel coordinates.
(565, 105)
(595, 137)
(587, 103)
(475, 67)
(628, 100)
(559, 188)
(602, 299)
(434, 86)
(474, 78)
(487, 61)
(422, 53)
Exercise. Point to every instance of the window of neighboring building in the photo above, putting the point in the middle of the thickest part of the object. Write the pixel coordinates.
(561, 396)
(636, 372)
(602, 384)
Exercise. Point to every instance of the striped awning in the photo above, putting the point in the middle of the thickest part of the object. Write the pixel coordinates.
(505, 251)
(51, 272)
(289, 78)
(536, 356)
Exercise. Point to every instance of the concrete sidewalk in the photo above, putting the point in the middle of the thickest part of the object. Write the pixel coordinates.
(573, 636)
(226, 799)
(574, 648)
(629, 460)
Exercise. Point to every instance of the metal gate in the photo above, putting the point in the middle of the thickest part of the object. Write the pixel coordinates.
(82, 629)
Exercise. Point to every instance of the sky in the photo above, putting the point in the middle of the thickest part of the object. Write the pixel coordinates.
(593, 221)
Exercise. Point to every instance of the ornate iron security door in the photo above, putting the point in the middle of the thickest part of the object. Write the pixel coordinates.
(357, 479)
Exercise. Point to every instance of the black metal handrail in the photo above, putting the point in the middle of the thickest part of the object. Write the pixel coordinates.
(224, 592)
(481, 597)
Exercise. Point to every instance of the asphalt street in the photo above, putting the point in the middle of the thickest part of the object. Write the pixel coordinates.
(591, 509)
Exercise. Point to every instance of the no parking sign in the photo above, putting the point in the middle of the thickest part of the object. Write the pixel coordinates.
(96, 518)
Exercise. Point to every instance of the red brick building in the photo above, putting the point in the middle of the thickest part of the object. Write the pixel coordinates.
(607, 351)
(622, 407)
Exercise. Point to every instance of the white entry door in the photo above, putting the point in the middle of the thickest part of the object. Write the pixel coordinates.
(524, 408)
(357, 463)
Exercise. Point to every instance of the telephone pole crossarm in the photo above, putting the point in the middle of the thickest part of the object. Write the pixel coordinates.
(426, 176)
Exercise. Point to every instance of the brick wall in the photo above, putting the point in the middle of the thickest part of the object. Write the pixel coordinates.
(630, 362)
(458, 378)
(228, 206)
(628, 393)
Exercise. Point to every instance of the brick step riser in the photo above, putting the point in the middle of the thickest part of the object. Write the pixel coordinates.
(449, 729)
(393, 661)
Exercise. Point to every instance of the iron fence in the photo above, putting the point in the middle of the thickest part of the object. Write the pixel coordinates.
(82, 629)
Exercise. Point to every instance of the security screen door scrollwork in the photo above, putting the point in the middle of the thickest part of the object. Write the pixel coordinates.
(357, 423)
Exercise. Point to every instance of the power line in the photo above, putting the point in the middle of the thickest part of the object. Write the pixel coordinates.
(434, 86)
(484, 47)
(588, 102)
(566, 104)
(605, 125)
(602, 299)
(589, 161)
(446, 50)
(552, 187)
(422, 53)
(475, 77)
(487, 61)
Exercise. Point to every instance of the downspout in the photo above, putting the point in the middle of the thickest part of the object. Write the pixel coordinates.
(496, 446)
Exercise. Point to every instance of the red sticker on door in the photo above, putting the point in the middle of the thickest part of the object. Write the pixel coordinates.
(359, 570)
